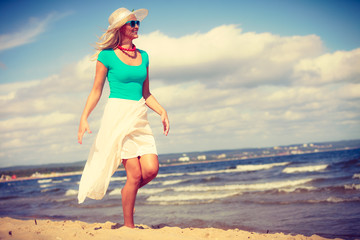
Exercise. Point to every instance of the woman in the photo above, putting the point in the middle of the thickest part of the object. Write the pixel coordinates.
(124, 134)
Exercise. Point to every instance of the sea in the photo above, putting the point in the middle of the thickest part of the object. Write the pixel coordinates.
(316, 193)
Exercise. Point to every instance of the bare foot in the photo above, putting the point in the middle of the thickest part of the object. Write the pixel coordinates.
(130, 226)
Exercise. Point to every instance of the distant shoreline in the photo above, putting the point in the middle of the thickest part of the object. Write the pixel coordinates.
(43, 176)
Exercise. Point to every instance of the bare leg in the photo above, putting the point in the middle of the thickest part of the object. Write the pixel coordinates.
(129, 191)
(149, 168)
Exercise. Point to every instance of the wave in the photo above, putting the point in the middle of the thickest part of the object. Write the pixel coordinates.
(352, 187)
(116, 191)
(210, 179)
(297, 189)
(147, 191)
(57, 181)
(161, 175)
(245, 187)
(44, 180)
(113, 179)
(151, 191)
(356, 175)
(258, 167)
(308, 201)
(338, 189)
(173, 182)
(242, 168)
(71, 192)
(338, 200)
(67, 179)
(46, 185)
(239, 168)
(190, 197)
(313, 168)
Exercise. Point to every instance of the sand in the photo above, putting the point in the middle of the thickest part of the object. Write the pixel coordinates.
(63, 230)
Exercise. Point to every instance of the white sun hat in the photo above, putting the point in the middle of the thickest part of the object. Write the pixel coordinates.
(122, 13)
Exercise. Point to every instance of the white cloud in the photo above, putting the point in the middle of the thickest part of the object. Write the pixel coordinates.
(328, 68)
(227, 56)
(350, 91)
(39, 121)
(222, 89)
(28, 33)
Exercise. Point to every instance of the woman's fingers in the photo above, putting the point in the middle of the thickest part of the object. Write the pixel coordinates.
(80, 134)
(82, 128)
(166, 124)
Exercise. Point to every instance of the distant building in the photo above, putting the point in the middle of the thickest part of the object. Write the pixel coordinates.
(36, 174)
(184, 158)
(5, 177)
(221, 156)
(201, 157)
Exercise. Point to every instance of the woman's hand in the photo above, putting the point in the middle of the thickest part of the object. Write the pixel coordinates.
(84, 126)
(93, 99)
(165, 122)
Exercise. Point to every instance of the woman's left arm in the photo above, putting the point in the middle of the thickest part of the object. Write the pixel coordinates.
(154, 105)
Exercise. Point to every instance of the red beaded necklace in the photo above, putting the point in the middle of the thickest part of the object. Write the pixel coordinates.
(127, 49)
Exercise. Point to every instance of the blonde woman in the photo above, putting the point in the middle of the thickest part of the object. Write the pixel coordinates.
(124, 135)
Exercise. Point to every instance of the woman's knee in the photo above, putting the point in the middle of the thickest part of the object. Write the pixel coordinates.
(134, 177)
(152, 171)
(133, 171)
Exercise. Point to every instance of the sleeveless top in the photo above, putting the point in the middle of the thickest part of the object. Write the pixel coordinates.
(125, 81)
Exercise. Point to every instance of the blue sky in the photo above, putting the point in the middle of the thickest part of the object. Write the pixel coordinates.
(72, 28)
(241, 59)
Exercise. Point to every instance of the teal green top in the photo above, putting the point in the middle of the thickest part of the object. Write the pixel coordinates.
(125, 81)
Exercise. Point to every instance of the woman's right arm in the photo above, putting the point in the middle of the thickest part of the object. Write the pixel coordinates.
(93, 99)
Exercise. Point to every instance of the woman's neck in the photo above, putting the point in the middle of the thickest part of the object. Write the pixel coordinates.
(126, 44)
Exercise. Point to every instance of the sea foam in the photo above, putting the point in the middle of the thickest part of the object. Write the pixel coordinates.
(205, 192)
(113, 179)
(189, 197)
(312, 168)
(352, 187)
(71, 192)
(245, 187)
(146, 191)
(116, 191)
(162, 175)
(173, 182)
(241, 168)
(44, 180)
(356, 175)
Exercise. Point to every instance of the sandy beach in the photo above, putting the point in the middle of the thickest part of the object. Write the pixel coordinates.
(63, 230)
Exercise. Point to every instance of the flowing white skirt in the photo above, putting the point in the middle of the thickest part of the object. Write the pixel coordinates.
(124, 133)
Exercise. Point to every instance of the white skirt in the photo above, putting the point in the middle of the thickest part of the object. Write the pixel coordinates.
(124, 133)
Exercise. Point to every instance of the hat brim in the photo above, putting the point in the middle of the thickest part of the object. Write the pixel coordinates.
(140, 15)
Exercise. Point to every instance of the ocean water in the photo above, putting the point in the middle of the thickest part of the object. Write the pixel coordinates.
(305, 194)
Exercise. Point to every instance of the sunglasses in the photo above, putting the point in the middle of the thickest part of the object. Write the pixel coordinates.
(133, 23)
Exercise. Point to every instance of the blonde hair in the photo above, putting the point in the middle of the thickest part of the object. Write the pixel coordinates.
(110, 39)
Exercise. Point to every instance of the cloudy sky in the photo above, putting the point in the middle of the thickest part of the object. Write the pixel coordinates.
(231, 74)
